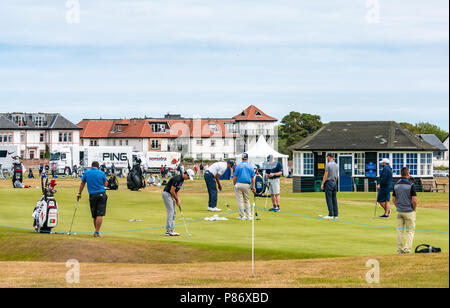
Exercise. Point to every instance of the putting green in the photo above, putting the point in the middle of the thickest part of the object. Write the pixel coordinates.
(295, 233)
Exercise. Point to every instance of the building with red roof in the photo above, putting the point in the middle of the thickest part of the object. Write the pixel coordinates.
(209, 139)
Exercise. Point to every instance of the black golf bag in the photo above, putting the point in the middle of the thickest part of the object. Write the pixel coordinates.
(113, 184)
(17, 174)
(46, 211)
(135, 180)
(261, 186)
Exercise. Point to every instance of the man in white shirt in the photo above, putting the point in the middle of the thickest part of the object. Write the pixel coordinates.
(212, 179)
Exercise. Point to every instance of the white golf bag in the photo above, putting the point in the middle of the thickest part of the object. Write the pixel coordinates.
(46, 211)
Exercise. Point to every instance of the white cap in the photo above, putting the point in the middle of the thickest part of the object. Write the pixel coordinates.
(386, 161)
(191, 174)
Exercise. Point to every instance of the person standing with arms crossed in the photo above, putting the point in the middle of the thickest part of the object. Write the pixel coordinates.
(96, 182)
(405, 199)
(274, 174)
(212, 180)
(329, 186)
(385, 187)
(171, 199)
(244, 183)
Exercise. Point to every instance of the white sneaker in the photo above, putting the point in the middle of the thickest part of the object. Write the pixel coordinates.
(328, 217)
(241, 218)
(335, 217)
(214, 209)
(173, 233)
(250, 218)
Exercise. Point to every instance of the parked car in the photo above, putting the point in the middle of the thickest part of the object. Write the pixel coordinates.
(440, 173)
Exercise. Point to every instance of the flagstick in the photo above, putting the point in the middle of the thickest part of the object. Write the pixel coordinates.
(253, 240)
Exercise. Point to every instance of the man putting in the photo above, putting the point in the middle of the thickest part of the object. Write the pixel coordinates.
(212, 179)
(385, 187)
(274, 173)
(171, 199)
(96, 182)
(244, 182)
(329, 186)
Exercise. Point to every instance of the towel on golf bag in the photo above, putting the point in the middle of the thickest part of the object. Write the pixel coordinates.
(427, 249)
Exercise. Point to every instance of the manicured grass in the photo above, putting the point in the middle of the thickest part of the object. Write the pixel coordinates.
(294, 248)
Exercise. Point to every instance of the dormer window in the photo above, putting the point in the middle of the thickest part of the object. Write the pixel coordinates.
(118, 128)
(39, 120)
(243, 114)
(19, 120)
(213, 127)
(158, 127)
(258, 114)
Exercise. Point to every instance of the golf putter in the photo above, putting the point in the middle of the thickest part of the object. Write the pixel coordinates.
(184, 222)
(75, 212)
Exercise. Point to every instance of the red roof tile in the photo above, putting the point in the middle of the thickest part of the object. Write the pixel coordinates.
(253, 113)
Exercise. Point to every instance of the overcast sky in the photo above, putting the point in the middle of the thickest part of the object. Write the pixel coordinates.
(214, 58)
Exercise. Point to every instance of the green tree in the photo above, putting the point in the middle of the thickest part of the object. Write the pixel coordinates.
(295, 127)
(426, 128)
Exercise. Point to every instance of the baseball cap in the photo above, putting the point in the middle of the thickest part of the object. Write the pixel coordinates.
(231, 162)
(191, 174)
(244, 156)
(386, 161)
(270, 158)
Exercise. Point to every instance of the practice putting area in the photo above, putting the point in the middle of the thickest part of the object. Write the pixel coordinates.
(293, 248)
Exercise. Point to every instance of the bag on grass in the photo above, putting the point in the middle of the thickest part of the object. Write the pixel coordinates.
(424, 248)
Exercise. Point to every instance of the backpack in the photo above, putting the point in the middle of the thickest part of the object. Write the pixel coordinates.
(427, 249)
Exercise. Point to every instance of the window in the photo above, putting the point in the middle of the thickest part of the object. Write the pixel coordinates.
(226, 156)
(41, 155)
(230, 128)
(70, 137)
(336, 157)
(226, 142)
(126, 142)
(10, 138)
(213, 143)
(213, 156)
(398, 162)
(213, 127)
(120, 142)
(360, 164)
(426, 163)
(155, 144)
(199, 156)
(93, 143)
(39, 120)
(308, 163)
(60, 137)
(65, 137)
(118, 128)
(411, 162)
(22, 138)
(41, 137)
(200, 142)
(158, 127)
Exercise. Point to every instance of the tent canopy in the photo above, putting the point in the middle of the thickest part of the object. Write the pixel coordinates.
(259, 153)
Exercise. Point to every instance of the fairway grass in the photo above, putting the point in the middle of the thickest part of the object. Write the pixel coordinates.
(283, 240)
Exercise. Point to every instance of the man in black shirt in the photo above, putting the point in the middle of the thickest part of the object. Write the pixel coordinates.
(171, 199)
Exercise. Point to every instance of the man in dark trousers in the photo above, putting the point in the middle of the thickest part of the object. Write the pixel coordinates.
(171, 199)
(96, 182)
(405, 199)
(385, 187)
(212, 180)
(329, 186)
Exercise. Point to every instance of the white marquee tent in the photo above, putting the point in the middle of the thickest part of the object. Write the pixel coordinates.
(259, 153)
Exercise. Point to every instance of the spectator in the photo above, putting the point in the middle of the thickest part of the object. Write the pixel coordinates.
(329, 186)
(385, 187)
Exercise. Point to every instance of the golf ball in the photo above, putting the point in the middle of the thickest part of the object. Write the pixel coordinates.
(75, 233)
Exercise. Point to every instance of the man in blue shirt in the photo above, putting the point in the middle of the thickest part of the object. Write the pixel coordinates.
(274, 172)
(385, 187)
(244, 182)
(96, 183)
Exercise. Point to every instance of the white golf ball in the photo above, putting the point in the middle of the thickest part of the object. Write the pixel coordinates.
(75, 233)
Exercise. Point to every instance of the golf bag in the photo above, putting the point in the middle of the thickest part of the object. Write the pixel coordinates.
(261, 186)
(424, 248)
(17, 174)
(113, 184)
(136, 180)
(46, 211)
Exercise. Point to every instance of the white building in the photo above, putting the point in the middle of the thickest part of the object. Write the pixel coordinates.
(200, 139)
(440, 156)
(36, 134)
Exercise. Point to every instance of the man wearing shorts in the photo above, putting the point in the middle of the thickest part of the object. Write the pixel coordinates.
(274, 173)
(96, 182)
(171, 199)
(385, 187)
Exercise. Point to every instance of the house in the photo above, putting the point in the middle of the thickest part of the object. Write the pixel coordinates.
(439, 157)
(358, 148)
(446, 152)
(201, 139)
(35, 134)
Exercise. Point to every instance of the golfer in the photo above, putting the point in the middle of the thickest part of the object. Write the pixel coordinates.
(329, 186)
(96, 183)
(171, 199)
(385, 187)
(274, 173)
(212, 180)
(244, 183)
(405, 199)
